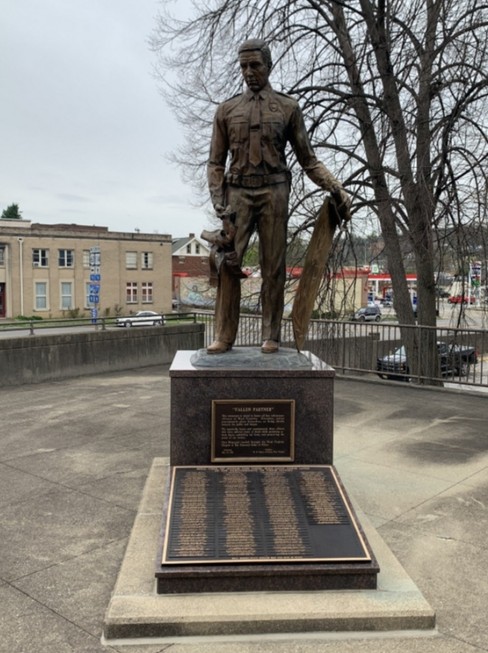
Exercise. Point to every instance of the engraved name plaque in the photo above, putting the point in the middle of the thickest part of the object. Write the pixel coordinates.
(254, 514)
(254, 430)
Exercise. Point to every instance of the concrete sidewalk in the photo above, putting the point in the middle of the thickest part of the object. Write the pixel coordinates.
(74, 457)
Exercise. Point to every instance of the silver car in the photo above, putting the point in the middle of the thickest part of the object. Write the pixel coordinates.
(368, 314)
(141, 318)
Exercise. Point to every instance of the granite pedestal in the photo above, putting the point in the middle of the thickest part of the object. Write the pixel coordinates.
(197, 379)
(245, 377)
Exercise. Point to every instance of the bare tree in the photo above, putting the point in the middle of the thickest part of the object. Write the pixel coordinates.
(394, 93)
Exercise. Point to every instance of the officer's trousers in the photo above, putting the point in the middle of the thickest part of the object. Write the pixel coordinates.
(264, 209)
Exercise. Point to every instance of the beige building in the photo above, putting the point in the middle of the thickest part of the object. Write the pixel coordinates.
(67, 269)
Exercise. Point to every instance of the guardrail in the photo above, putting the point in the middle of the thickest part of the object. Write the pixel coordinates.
(34, 326)
(40, 325)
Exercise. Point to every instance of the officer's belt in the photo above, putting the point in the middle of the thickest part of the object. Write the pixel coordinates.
(257, 181)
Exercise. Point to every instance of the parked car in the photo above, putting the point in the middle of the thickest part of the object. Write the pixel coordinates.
(469, 354)
(141, 318)
(367, 314)
(461, 299)
(454, 360)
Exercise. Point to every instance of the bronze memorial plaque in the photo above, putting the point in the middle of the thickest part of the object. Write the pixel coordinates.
(253, 430)
(253, 514)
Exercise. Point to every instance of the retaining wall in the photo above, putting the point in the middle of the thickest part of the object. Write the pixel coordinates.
(32, 359)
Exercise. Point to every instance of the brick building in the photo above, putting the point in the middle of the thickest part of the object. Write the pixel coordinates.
(190, 256)
(190, 260)
(45, 270)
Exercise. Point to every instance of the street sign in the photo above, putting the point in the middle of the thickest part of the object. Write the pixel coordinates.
(95, 278)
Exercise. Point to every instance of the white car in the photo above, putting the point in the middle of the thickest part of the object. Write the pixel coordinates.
(142, 318)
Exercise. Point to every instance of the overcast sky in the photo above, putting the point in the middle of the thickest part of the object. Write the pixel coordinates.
(84, 132)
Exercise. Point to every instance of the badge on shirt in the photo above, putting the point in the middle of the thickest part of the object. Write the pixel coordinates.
(273, 106)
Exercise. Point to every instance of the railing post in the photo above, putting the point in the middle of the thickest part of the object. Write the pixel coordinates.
(31, 328)
(343, 348)
(375, 338)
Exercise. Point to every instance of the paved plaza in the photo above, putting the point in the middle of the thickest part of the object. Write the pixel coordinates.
(75, 455)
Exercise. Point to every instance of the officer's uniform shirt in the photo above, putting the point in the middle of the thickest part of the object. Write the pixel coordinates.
(281, 122)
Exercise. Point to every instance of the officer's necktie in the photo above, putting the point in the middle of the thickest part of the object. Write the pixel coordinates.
(255, 133)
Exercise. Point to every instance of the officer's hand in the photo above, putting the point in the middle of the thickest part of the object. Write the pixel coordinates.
(221, 211)
(342, 203)
(346, 199)
(343, 198)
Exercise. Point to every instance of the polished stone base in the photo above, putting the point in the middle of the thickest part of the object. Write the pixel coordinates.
(137, 611)
(244, 373)
(267, 578)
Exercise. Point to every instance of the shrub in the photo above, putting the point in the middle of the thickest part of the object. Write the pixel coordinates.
(27, 318)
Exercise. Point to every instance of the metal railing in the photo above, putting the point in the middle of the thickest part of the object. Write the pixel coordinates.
(357, 348)
(36, 326)
(33, 325)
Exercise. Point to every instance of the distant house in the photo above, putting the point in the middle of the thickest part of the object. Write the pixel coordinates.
(190, 257)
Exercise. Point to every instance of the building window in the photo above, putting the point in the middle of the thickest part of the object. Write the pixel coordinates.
(66, 295)
(40, 288)
(131, 260)
(188, 248)
(197, 248)
(86, 258)
(147, 292)
(2, 256)
(40, 258)
(66, 258)
(146, 260)
(131, 292)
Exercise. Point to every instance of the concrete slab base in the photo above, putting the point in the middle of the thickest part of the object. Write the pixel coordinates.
(137, 612)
